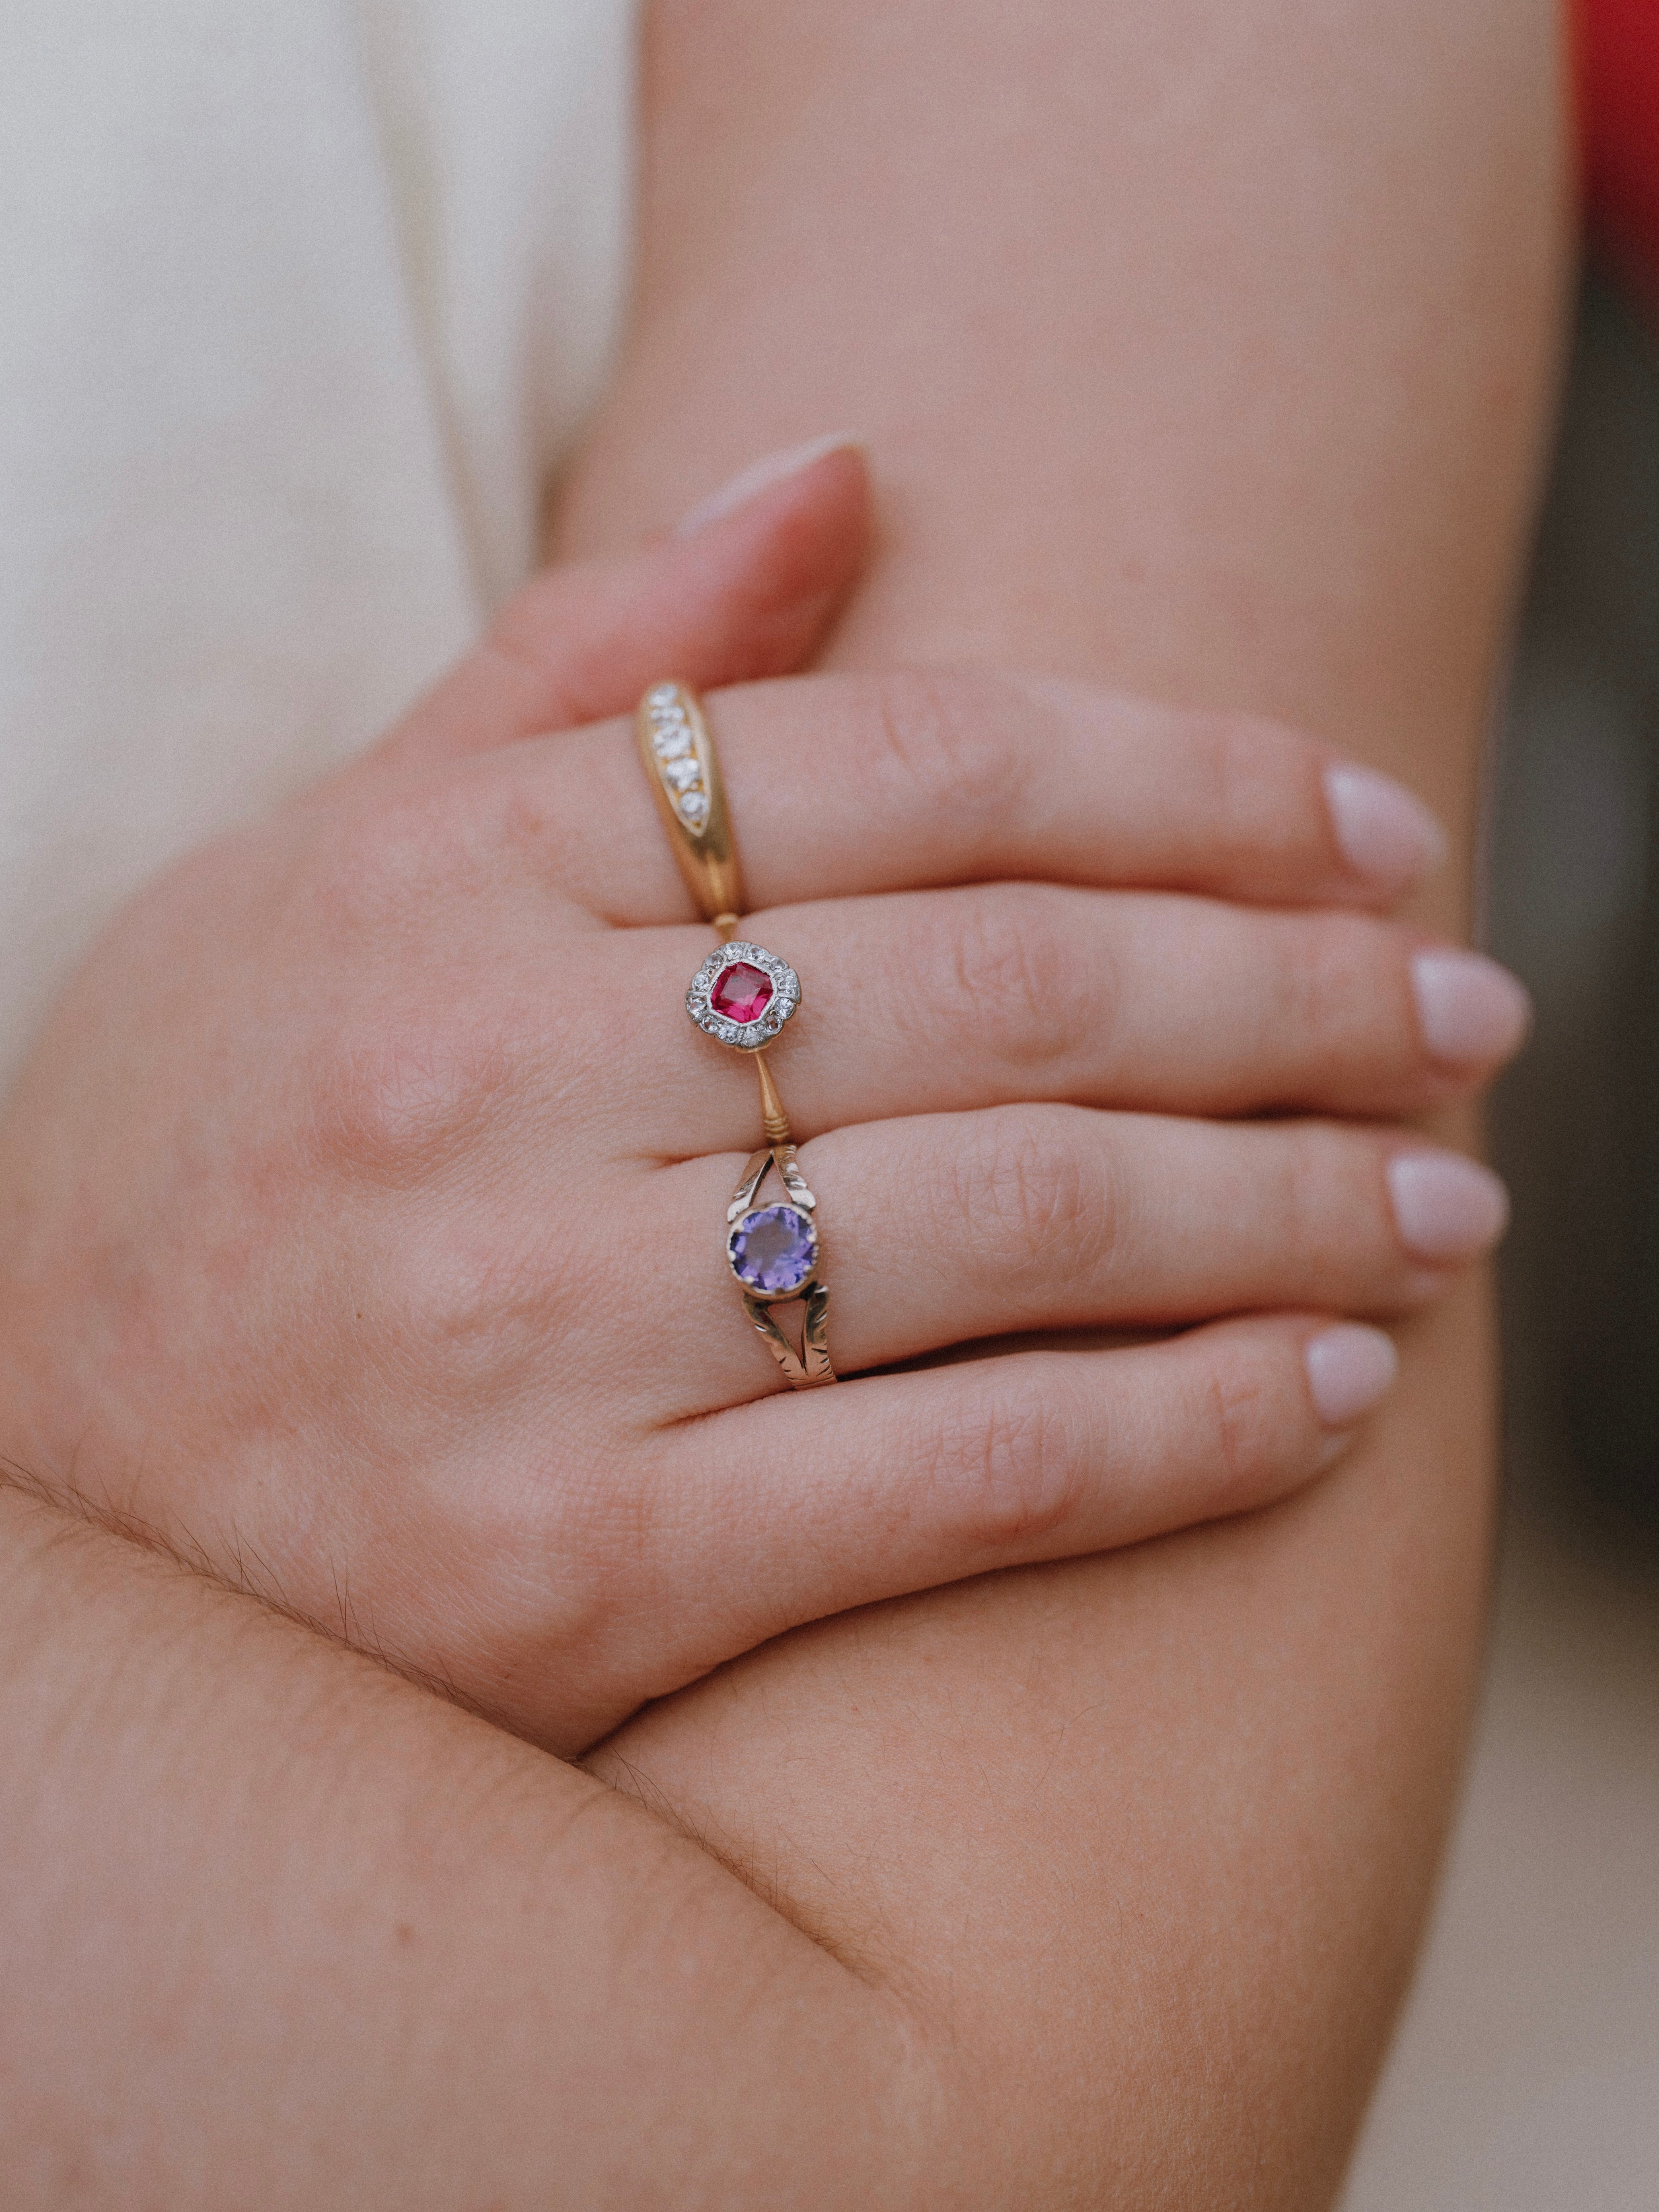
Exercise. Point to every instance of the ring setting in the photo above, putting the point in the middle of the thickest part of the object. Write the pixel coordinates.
(773, 1251)
(743, 995)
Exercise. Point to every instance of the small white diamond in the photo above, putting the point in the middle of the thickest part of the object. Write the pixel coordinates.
(682, 774)
(669, 744)
(693, 807)
(663, 695)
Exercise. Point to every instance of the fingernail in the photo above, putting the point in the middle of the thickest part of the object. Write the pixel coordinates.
(1350, 1369)
(759, 476)
(1446, 1207)
(1468, 1008)
(1384, 831)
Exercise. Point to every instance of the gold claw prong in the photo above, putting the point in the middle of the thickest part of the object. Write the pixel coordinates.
(753, 1176)
(776, 1342)
(815, 1337)
(806, 1369)
(793, 1182)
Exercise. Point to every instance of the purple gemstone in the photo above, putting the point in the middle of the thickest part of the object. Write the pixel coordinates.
(773, 1250)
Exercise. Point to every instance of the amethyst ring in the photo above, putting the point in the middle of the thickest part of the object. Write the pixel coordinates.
(741, 996)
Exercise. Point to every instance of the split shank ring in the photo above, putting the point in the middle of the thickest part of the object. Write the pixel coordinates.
(741, 996)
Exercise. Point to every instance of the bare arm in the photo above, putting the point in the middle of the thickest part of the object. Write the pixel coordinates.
(281, 1930)
(274, 1921)
(1207, 348)
(1115, 1871)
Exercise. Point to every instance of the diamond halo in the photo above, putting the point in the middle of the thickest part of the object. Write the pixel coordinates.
(746, 1036)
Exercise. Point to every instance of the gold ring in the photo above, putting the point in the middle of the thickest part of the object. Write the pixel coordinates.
(742, 995)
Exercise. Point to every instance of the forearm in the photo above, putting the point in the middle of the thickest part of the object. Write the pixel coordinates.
(1207, 350)
(280, 1929)
(1148, 1836)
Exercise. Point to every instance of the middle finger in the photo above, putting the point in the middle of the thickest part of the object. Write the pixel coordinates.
(942, 1001)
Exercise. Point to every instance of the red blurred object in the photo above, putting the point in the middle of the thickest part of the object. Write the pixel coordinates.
(1617, 44)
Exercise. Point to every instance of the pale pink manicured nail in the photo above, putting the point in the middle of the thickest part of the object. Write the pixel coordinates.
(759, 476)
(1350, 1369)
(1468, 1007)
(1384, 830)
(1446, 1207)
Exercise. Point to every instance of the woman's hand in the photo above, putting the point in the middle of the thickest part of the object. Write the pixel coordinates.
(365, 1201)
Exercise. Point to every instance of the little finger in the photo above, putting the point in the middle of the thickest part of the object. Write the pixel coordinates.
(807, 1506)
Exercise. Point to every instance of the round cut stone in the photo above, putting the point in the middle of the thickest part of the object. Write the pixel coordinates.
(773, 1250)
(741, 992)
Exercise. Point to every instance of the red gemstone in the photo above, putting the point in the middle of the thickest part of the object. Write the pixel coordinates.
(741, 992)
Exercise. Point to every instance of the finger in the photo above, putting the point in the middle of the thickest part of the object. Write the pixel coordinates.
(910, 778)
(748, 593)
(846, 784)
(807, 1506)
(939, 1001)
(946, 1229)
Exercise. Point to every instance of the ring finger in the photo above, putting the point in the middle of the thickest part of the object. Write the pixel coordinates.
(946, 1229)
(939, 1001)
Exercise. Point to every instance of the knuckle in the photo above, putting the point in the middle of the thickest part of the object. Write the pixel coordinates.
(934, 736)
(1244, 1421)
(1325, 978)
(1012, 1462)
(1325, 1208)
(1262, 785)
(1013, 986)
(534, 1569)
(397, 1110)
(604, 1543)
(472, 1312)
(1031, 1203)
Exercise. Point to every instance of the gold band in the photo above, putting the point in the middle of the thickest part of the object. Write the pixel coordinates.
(683, 769)
(686, 775)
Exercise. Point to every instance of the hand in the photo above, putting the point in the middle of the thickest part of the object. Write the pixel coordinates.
(364, 1202)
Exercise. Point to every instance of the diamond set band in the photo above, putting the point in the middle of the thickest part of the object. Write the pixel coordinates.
(675, 753)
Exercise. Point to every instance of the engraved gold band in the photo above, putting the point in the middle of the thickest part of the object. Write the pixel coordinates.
(742, 995)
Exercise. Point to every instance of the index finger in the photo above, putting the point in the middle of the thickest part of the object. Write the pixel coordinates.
(859, 783)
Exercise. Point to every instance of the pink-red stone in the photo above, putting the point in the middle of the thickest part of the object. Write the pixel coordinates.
(741, 992)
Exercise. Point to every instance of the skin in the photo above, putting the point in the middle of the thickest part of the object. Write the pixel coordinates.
(1122, 1861)
(253, 1878)
(321, 1263)
(1258, 425)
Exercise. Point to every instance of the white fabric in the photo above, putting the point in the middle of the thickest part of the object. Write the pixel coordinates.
(299, 308)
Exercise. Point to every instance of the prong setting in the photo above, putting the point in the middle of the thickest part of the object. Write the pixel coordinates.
(772, 1253)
